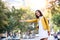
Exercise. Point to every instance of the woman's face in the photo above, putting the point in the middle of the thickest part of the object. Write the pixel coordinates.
(37, 13)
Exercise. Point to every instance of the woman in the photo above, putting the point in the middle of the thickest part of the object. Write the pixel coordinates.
(44, 29)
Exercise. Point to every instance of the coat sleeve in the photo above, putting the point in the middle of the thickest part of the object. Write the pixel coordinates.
(33, 20)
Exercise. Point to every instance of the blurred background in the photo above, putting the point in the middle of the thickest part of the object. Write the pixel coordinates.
(11, 11)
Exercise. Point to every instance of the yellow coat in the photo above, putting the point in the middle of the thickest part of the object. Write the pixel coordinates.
(45, 25)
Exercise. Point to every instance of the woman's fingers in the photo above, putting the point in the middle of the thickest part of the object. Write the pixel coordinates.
(20, 20)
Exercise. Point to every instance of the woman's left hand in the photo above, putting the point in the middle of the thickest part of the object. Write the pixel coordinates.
(48, 33)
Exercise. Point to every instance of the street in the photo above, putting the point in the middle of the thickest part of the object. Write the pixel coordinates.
(35, 38)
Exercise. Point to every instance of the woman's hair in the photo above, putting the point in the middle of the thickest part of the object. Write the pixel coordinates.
(39, 12)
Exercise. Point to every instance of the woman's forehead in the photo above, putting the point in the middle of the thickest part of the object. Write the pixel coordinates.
(36, 11)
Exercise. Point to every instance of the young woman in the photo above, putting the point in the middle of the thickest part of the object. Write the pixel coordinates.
(44, 29)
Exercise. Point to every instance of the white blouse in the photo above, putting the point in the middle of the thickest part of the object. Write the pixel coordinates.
(42, 33)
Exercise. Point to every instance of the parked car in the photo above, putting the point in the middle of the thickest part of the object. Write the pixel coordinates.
(58, 35)
(2, 36)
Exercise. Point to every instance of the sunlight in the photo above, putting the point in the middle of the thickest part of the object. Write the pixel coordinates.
(33, 4)
(36, 4)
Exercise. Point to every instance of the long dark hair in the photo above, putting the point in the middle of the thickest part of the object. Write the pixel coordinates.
(39, 12)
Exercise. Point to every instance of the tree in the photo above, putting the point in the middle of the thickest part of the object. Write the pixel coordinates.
(54, 10)
(56, 19)
(3, 17)
(18, 14)
(14, 15)
(56, 13)
(9, 19)
(25, 16)
(54, 6)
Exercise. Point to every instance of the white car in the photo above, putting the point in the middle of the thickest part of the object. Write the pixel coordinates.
(58, 35)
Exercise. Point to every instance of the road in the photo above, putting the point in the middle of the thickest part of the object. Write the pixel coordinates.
(36, 38)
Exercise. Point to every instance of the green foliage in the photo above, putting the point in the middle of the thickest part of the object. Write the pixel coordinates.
(3, 17)
(25, 16)
(55, 11)
(9, 19)
(56, 19)
(55, 7)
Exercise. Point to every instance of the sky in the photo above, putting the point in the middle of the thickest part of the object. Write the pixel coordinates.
(33, 4)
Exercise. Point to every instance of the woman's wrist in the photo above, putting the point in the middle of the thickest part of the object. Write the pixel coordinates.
(48, 32)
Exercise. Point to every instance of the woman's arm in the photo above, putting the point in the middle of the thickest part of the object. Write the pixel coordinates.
(33, 20)
(47, 24)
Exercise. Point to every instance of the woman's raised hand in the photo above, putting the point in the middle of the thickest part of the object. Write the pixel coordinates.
(21, 20)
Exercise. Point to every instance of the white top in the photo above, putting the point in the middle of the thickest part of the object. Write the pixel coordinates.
(42, 33)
